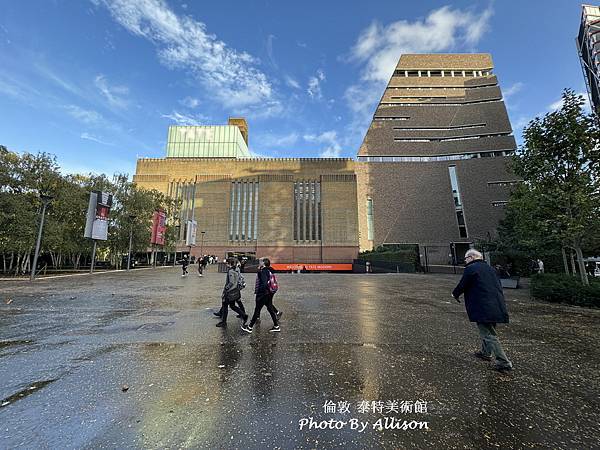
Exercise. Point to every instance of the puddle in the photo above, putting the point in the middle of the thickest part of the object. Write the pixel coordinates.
(33, 387)
(4, 344)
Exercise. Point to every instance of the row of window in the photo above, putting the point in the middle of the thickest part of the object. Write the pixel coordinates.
(461, 138)
(448, 128)
(503, 183)
(442, 73)
(496, 100)
(243, 213)
(391, 118)
(460, 215)
(446, 88)
(307, 211)
(435, 158)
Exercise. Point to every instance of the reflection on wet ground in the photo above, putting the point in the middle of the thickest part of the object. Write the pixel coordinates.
(135, 361)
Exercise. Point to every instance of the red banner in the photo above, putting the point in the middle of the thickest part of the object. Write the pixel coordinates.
(159, 228)
(312, 267)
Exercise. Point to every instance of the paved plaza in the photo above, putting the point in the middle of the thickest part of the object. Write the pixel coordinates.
(134, 360)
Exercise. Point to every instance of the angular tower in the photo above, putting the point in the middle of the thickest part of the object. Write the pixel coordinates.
(433, 164)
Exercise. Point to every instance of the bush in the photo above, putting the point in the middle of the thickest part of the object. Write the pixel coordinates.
(406, 257)
(562, 288)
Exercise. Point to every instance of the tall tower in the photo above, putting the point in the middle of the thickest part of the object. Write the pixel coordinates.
(434, 157)
(588, 47)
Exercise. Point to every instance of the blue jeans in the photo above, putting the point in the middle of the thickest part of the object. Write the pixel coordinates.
(490, 345)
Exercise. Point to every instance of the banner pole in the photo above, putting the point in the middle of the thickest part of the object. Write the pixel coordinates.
(93, 257)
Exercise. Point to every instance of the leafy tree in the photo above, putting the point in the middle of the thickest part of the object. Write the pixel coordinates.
(558, 202)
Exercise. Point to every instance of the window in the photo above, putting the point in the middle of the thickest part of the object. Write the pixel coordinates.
(307, 211)
(434, 158)
(243, 211)
(370, 219)
(458, 205)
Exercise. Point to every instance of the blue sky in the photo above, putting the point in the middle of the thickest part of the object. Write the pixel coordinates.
(97, 82)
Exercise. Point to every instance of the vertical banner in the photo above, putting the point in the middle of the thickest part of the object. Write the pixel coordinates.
(96, 225)
(190, 236)
(159, 228)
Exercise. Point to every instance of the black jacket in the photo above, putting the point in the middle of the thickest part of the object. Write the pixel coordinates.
(262, 278)
(484, 299)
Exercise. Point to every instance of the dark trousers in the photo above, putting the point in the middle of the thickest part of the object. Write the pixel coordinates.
(224, 309)
(239, 305)
(264, 300)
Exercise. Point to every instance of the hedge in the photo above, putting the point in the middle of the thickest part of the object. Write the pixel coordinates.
(562, 288)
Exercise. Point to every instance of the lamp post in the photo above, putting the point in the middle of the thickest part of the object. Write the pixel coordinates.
(46, 199)
(132, 217)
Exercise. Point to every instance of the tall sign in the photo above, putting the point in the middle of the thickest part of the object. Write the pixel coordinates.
(96, 225)
(190, 235)
(159, 228)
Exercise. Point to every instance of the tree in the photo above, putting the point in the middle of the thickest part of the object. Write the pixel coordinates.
(559, 200)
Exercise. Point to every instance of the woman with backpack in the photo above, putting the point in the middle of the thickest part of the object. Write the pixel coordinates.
(265, 288)
(231, 294)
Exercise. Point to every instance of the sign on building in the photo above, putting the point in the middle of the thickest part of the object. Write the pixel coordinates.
(96, 225)
(190, 235)
(159, 219)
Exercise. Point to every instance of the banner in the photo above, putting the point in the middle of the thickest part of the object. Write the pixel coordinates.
(96, 224)
(159, 219)
(190, 235)
(313, 267)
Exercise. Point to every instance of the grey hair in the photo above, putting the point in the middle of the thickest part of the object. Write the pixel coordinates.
(473, 254)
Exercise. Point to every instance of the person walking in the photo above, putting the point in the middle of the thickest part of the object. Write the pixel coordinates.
(540, 265)
(202, 263)
(184, 266)
(263, 289)
(231, 294)
(484, 302)
(241, 285)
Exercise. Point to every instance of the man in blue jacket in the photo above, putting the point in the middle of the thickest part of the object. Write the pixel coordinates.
(484, 301)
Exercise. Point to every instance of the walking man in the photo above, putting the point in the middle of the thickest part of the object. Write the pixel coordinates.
(231, 294)
(263, 296)
(184, 266)
(484, 301)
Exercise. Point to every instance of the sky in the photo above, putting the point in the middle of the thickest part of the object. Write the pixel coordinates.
(98, 82)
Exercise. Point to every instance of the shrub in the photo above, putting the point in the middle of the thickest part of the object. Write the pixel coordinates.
(562, 288)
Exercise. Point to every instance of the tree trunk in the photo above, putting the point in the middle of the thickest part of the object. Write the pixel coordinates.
(582, 271)
(565, 262)
(573, 267)
(17, 265)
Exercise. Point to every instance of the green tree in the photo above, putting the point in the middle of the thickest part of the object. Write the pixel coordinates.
(559, 200)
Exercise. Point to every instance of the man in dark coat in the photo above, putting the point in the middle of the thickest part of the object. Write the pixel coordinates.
(484, 301)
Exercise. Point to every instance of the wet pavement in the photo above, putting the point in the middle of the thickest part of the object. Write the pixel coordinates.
(134, 360)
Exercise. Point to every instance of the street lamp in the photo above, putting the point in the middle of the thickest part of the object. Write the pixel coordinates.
(46, 199)
(201, 242)
(132, 217)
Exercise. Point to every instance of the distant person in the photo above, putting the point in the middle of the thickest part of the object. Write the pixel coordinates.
(263, 289)
(484, 301)
(540, 264)
(241, 285)
(202, 263)
(231, 294)
(184, 266)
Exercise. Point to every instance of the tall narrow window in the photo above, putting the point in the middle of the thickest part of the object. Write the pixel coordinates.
(307, 211)
(243, 214)
(370, 219)
(458, 205)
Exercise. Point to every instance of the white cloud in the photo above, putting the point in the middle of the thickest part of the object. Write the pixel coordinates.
(186, 119)
(378, 49)
(190, 102)
(332, 148)
(270, 54)
(91, 137)
(271, 140)
(314, 85)
(84, 115)
(512, 90)
(182, 42)
(291, 82)
(443, 29)
(114, 94)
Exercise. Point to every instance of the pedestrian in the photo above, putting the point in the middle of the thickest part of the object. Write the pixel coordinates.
(241, 285)
(272, 287)
(540, 265)
(231, 294)
(484, 302)
(200, 267)
(184, 266)
(263, 289)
